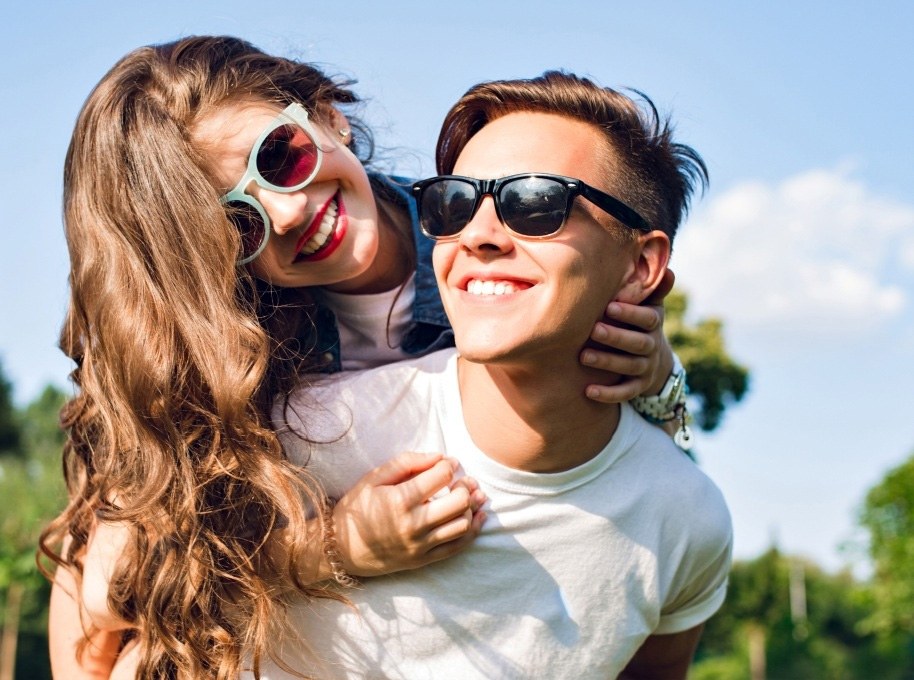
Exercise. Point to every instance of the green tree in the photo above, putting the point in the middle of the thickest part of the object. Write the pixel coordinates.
(888, 516)
(9, 427)
(807, 621)
(715, 380)
(32, 489)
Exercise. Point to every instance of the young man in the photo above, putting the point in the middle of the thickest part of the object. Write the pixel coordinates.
(605, 548)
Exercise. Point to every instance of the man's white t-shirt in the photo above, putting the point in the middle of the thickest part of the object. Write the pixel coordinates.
(572, 570)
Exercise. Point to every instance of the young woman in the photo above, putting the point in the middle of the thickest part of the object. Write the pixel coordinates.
(207, 187)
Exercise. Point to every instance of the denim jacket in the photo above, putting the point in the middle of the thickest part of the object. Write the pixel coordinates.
(430, 329)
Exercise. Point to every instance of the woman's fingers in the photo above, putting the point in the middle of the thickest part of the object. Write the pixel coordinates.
(646, 318)
(426, 484)
(463, 535)
(401, 468)
(425, 516)
(455, 503)
(624, 364)
(614, 394)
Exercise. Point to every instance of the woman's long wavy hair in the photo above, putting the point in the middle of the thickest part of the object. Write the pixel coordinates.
(178, 354)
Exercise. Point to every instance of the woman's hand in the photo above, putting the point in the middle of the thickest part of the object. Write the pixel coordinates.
(405, 514)
(636, 348)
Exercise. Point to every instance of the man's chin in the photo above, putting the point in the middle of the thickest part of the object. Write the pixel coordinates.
(476, 356)
(482, 352)
(492, 351)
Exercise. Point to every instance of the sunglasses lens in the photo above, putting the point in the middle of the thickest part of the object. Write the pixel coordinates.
(250, 224)
(533, 206)
(287, 157)
(447, 207)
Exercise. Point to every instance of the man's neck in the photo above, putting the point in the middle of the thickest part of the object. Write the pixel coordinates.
(536, 417)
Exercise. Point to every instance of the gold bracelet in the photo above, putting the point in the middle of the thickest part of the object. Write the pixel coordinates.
(332, 553)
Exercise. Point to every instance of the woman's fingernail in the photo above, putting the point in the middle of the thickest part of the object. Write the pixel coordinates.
(589, 357)
(599, 332)
(613, 309)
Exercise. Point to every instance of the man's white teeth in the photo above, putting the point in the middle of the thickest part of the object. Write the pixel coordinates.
(477, 287)
(323, 232)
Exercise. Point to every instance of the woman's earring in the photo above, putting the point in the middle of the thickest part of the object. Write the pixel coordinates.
(344, 133)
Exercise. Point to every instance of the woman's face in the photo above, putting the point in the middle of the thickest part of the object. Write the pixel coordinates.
(325, 233)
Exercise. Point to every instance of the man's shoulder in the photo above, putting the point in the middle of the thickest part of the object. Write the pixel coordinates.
(428, 366)
(344, 424)
(678, 485)
(655, 448)
(370, 391)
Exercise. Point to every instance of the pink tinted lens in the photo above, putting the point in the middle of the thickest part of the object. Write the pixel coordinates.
(249, 223)
(287, 157)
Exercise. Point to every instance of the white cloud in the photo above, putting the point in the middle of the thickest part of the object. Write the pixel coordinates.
(819, 253)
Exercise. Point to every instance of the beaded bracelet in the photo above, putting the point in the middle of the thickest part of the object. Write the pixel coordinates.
(332, 553)
(669, 405)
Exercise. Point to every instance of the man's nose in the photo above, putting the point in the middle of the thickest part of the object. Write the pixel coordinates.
(485, 231)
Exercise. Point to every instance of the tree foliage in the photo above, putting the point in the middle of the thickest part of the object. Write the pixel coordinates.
(716, 380)
(9, 427)
(32, 492)
(888, 516)
(816, 636)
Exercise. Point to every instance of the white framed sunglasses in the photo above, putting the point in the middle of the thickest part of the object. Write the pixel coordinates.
(285, 158)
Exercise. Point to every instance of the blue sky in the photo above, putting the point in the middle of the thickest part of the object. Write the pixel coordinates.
(804, 244)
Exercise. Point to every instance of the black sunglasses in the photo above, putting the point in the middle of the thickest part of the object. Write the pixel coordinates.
(532, 204)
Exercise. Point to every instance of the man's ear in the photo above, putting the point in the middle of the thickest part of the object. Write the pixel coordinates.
(652, 254)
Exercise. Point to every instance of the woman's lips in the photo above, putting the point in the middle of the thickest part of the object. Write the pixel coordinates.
(305, 240)
(325, 232)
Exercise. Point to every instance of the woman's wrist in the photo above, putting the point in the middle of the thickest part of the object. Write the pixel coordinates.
(661, 406)
(331, 561)
(669, 364)
(668, 408)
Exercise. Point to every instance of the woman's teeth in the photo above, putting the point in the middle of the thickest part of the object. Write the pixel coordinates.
(322, 235)
(477, 287)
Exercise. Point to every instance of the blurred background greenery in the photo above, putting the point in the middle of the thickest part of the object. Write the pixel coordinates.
(31, 493)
